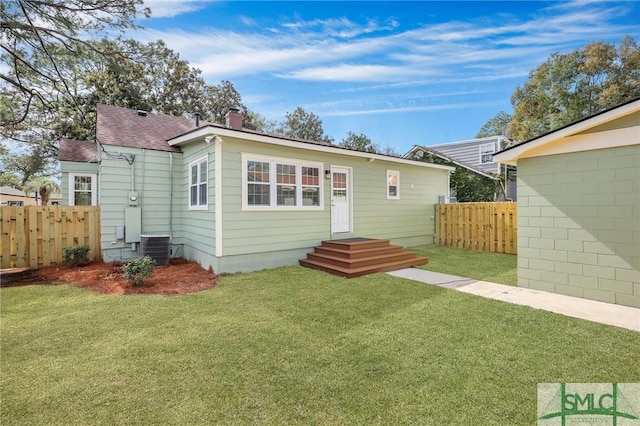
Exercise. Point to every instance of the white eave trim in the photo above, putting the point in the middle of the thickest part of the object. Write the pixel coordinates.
(511, 155)
(199, 135)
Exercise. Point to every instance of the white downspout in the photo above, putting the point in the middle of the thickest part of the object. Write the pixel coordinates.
(218, 194)
(170, 197)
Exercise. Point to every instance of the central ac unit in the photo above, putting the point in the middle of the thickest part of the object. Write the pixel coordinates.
(157, 247)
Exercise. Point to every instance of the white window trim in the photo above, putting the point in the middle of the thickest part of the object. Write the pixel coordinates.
(201, 160)
(487, 148)
(246, 157)
(72, 187)
(395, 173)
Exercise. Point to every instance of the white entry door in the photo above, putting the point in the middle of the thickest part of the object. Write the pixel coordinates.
(340, 200)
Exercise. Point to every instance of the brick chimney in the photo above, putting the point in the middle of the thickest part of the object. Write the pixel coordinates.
(234, 119)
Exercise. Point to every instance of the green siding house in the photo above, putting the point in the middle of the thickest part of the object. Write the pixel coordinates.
(579, 207)
(237, 200)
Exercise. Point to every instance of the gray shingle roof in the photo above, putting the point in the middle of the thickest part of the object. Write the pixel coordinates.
(128, 127)
(79, 151)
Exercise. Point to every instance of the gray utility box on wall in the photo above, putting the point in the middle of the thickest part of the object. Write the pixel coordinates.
(132, 224)
(157, 247)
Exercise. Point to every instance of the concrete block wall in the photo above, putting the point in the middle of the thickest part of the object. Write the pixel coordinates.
(579, 224)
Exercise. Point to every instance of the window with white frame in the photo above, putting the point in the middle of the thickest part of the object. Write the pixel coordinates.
(279, 183)
(393, 184)
(82, 190)
(486, 153)
(198, 184)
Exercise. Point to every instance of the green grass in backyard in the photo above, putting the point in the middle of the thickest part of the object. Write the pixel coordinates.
(292, 346)
(486, 266)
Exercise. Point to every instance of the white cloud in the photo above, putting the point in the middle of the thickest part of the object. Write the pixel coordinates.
(343, 50)
(341, 27)
(346, 72)
(396, 110)
(171, 8)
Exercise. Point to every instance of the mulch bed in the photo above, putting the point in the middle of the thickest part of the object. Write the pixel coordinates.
(178, 277)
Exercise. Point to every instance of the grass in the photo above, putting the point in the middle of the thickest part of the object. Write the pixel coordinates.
(493, 267)
(292, 346)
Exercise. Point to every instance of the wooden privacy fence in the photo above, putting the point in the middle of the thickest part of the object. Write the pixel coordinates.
(35, 236)
(478, 226)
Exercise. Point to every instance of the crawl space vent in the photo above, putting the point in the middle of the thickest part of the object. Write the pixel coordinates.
(157, 247)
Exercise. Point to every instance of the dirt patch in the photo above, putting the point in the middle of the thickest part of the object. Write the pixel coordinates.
(179, 277)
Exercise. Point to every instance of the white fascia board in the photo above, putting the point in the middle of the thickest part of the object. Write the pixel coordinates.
(511, 155)
(200, 134)
(625, 136)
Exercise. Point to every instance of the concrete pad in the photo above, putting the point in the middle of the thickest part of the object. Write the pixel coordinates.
(590, 310)
(435, 278)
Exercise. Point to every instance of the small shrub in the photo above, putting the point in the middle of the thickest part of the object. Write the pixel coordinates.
(76, 256)
(138, 269)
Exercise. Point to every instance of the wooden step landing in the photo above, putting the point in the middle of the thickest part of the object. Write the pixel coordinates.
(354, 257)
(11, 275)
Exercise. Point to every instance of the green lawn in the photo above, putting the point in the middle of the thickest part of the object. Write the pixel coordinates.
(494, 267)
(292, 346)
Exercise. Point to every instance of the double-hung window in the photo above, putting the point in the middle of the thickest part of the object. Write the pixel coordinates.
(198, 184)
(310, 186)
(279, 183)
(258, 183)
(82, 190)
(486, 153)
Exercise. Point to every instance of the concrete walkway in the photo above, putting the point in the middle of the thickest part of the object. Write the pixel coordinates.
(591, 310)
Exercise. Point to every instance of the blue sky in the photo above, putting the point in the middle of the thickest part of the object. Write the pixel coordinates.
(403, 73)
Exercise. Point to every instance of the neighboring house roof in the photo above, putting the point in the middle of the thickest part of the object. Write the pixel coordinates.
(477, 141)
(416, 148)
(621, 122)
(8, 190)
(79, 151)
(139, 129)
(474, 152)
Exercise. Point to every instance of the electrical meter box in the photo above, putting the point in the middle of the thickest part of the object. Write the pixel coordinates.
(133, 198)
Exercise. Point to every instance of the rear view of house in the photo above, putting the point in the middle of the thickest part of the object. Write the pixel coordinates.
(238, 200)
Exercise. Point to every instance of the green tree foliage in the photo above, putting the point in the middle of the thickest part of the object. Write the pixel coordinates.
(255, 121)
(43, 186)
(132, 75)
(467, 186)
(359, 142)
(301, 124)
(9, 179)
(149, 77)
(391, 151)
(569, 87)
(471, 187)
(18, 169)
(498, 125)
(33, 32)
